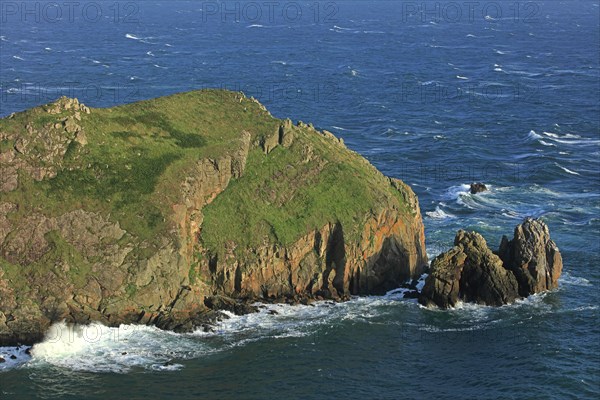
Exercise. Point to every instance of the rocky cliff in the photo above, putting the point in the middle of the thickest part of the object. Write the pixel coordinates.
(159, 211)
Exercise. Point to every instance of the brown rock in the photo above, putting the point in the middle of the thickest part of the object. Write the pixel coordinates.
(533, 257)
(469, 272)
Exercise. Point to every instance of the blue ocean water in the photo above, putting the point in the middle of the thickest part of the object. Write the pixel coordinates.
(439, 94)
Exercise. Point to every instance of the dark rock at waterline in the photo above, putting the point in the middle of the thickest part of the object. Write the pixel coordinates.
(529, 263)
(225, 303)
(468, 272)
(13, 357)
(2, 360)
(412, 294)
(478, 187)
(533, 257)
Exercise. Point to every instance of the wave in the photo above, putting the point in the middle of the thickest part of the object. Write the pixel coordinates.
(18, 58)
(533, 135)
(567, 279)
(568, 171)
(255, 26)
(98, 348)
(455, 192)
(439, 214)
(461, 77)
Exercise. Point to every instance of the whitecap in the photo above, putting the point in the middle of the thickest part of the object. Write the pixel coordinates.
(255, 26)
(151, 54)
(566, 169)
(18, 58)
(439, 214)
(130, 36)
(461, 77)
(338, 128)
(279, 62)
(159, 66)
(532, 135)
(546, 143)
(454, 192)
(471, 35)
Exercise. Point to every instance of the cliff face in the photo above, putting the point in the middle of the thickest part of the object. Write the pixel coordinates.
(142, 213)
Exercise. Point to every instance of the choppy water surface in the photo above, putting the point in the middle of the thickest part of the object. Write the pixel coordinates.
(503, 95)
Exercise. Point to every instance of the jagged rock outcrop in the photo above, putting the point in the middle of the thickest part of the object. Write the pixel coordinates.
(533, 257)
(165, 211)
(471, 272)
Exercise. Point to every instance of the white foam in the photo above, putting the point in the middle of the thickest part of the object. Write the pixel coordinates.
(98, 348)
(455, 192)
(14, 357)
(567, 279)
(439, 214)
(461, 77)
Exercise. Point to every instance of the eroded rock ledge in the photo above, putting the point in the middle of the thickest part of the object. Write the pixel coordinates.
(470, 272)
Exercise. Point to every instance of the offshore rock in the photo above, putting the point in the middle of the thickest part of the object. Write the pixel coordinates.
(478, 188)
(470, 272)
(533, 257)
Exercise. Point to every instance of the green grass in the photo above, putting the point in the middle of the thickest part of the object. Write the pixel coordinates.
(281, 198)
(138, 155)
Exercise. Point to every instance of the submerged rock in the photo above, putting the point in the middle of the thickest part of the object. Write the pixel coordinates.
(471, 272)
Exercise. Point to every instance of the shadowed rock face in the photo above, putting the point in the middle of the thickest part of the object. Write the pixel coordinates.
(471, 272)
(165, 211)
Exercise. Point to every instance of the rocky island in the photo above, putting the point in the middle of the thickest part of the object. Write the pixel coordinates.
(162, 211)
(470, 272)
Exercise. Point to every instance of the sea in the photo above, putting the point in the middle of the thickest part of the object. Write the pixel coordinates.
(437, 93)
